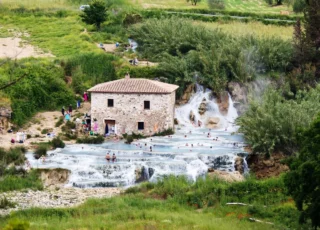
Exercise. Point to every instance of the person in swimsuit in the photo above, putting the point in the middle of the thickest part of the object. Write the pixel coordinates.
(108, 157)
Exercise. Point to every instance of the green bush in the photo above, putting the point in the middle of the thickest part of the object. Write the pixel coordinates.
(13, 155)
(16, 224)
(40, 151)
(59, 122)
(272, 124)
(91, 140)
(129, 138)
(5, 203)
(57, 143)
(216, 4)
(165, 132)
(44, 131)
(19, 182)
(43, 84)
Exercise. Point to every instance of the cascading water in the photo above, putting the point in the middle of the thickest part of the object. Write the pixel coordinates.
(190, 151)
(204, 96)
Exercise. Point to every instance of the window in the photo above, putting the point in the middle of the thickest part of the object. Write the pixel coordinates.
(146, 104)
(140, 125)
(110, 102)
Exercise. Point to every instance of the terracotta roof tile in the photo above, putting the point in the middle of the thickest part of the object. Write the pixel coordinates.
(134, 85)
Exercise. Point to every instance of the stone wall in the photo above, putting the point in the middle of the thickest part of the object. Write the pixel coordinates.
(129, 109)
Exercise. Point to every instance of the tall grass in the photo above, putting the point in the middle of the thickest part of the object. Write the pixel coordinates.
(257, 29)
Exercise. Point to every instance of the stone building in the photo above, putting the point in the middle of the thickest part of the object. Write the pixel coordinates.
(132, 105)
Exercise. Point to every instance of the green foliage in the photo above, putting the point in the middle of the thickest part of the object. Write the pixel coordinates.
(40, 151)
(16, 224)
(43, 87)
(303, 180)
(5, 203)
(299, 6)
(272, 2)
(186, 51)
(57, 143)
(59, 122)
(91, 140)
(164, 132)
(19, 182)
(96, 14)
(271, 124)
(12, 156)
(129, 138)
(216, 4)
(89, 69)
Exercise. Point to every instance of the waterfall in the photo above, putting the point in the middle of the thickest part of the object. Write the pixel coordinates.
(203, 97)
(245, 166)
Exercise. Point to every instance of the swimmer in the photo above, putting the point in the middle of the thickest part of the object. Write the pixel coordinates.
(187, 144)
(114, 158)
(108, 157)
(150, 148)
(185, 136)
(192, 145)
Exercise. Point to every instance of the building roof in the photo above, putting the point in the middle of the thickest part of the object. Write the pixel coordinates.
(134, 85)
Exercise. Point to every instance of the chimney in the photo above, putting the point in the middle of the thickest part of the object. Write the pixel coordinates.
(127, 76)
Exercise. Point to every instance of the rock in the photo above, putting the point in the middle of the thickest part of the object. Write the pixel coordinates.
(212, 122)
(223, 102)
(210, 169)
(202, 107)
(186, 95)
(176, 122)
(264, 168)
(227, 176)
(54, 178)
(192, 116)
(238, 165)
(143, 174)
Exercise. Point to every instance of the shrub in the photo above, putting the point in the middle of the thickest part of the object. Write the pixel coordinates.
(273, 123)
(16, 224)
(57, 143)
(131, 137)
(59, 122)
(44, 131)
(40, 151)
(13, 155)
(5, 203)
(91, 140)
(164, 132)
(29, 136)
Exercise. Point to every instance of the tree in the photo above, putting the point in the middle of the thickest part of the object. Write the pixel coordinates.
(96, 14)
(194, 2)
(299, 6)
(303, 181)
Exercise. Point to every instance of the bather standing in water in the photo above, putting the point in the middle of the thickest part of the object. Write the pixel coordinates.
(114, 158)
(108, 157)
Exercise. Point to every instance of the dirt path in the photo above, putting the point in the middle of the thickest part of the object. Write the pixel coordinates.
(17, 48)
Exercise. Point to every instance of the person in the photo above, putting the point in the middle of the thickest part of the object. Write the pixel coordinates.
(199, 123)
(101, 46)
(70, 109)
(12, 141)
(67, 116)
(135, 61)
(117, 44)
(150, 148)
(78, 104)
(108, 157)
(114, 158)
(62, 111)
(85, 96)
(43, 158)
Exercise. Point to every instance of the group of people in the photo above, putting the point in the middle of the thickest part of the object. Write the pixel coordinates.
(68, 113)
(113, 158)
